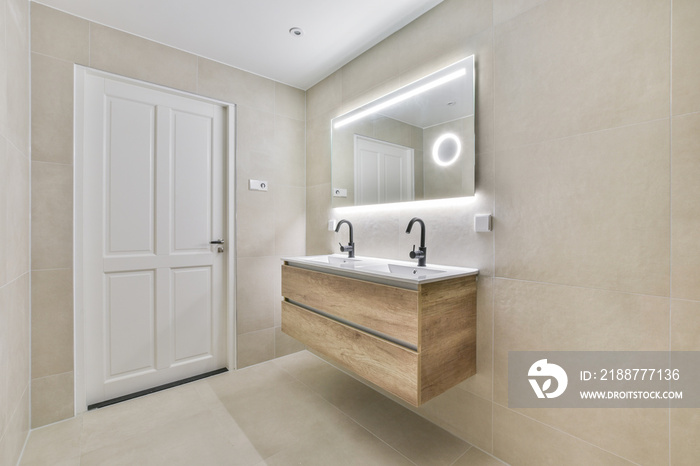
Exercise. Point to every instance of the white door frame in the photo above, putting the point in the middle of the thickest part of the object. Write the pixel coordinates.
(80, 73)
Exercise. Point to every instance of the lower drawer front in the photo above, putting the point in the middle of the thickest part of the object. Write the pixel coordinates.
(390, 366)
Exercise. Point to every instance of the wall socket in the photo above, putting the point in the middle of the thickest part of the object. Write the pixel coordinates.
(257, 185)
(483, 223)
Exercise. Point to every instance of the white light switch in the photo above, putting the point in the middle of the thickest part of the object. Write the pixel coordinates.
(340, 192)
(257, 185)
(483, 223)
(331, 225)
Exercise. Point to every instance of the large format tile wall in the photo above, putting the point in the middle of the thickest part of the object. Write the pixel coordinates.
(270, 146)
(588, 155)
(14, 228)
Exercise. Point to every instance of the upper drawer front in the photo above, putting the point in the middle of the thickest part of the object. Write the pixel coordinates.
(386, 309)
(383, 363)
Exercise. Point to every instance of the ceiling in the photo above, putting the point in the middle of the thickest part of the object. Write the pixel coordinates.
(253, 35)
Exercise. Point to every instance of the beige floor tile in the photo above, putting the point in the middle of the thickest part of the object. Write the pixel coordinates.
(137, 418)
(407, 432)
(276, 417)
(53, 444)
(419, 440)
(342, 443)
(185, 441)
(476, 457)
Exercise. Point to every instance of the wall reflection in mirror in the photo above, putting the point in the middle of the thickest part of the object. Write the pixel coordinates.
(413, 144)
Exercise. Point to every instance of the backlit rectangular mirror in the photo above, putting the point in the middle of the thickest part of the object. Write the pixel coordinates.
(412, 144)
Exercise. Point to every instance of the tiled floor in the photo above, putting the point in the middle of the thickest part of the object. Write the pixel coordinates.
(296, 410)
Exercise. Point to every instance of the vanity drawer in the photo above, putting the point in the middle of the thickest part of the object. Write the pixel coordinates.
(385, 309)
(388, 365)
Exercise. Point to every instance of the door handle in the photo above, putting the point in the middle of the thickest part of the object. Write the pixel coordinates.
(217, 241)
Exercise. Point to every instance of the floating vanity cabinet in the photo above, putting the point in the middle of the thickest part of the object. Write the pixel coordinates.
(414, 343)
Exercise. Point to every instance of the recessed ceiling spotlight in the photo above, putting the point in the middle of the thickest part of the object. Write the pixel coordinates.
(297, 32)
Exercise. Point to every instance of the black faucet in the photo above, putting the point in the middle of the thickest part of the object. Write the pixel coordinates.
(420, 254)
(350, 248)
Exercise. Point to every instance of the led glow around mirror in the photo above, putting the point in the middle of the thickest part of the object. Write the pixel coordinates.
(439, 148)
(394, 149)
(401, 97)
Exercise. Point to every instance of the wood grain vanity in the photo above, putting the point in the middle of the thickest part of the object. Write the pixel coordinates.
(413, 338)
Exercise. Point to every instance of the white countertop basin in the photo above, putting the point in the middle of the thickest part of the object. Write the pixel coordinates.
(387, 271)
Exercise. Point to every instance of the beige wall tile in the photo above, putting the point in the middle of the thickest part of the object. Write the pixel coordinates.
(372, 68)
(290, 221)
(255, 293)
(290, 152)
(290, 102)
(12, 443)
(318, 150)
(17, 358)
(4, 74)
(324, 96)
(60, 35)
(52, 322)
(519, 440)
(685, 209)
(639, 435)
(235, 86)
(685, 325)
(318, 203)
(540, 317)
(255, 220)
(530, 316)
(686, 61)
(590, 210)
(618, 76)
(16, 112)
(256, 347)
(52, 109)
(685, 425)
(481, 384)
(4, 183)
(17, 213)
(52, 215)
(441, 36)
(284, 344)
(52, 399)
(255, 131)
(132, 56)
(503, 10)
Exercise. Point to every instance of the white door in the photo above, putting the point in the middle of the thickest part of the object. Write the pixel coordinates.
(153, 200)
(383, 172)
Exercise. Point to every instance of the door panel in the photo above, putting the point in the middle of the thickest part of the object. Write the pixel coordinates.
(147, 227)
(130, 157)
(383, 172)
(192, 134)
(192, 309)
(130, 316)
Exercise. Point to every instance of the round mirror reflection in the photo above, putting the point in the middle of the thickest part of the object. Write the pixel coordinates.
(446, 149)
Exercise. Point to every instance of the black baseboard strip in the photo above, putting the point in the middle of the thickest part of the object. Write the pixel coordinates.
(148, 391)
